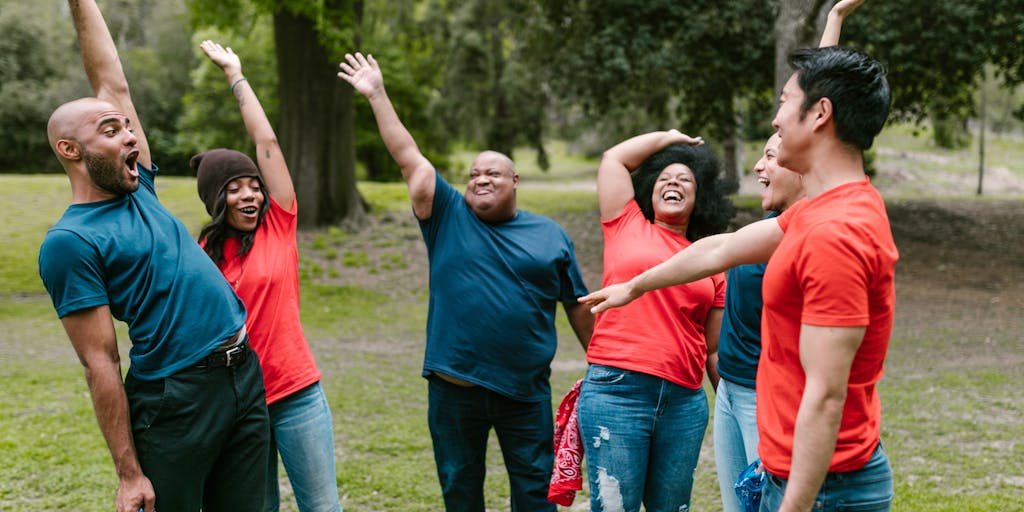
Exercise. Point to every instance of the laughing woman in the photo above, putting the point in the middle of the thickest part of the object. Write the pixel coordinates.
(251, 238)
(642, 410)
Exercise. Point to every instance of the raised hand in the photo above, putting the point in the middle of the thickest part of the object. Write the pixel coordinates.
(845, 7)
(363, 73)
(223, 57)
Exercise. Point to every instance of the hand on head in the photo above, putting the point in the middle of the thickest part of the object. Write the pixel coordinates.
(682, 138)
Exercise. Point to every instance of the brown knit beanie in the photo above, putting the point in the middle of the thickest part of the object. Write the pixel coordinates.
(216, 168)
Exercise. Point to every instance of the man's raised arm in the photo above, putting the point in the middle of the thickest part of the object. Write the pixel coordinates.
(365, 76)
(102, 66)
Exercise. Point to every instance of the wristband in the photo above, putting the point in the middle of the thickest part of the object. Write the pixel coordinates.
(236, 83)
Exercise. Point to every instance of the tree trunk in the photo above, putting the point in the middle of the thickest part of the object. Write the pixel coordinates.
(732, 150)
(798, 25)
(316, 130)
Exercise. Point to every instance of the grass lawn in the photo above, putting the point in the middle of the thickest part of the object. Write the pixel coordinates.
(952, 418)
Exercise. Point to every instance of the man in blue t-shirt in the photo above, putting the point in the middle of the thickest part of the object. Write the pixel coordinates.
(496, 275)
(188, 426)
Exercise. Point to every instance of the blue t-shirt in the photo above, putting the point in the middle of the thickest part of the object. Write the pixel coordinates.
(739, 344)
(493, 295)
(132, 254)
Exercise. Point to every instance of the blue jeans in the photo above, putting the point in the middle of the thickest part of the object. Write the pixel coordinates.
(868, 489)
(460, 419)
(735, 433)
(301, 432)
(641, 438)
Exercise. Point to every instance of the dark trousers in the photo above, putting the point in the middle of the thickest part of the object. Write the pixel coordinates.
(202, 437)
(460, 420)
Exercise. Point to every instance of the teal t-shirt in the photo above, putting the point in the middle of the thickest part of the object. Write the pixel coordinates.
(493, 295)
(133, 255)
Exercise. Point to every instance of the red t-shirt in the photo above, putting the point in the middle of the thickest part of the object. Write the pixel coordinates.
(662, 332)
(267, 281)
(834, 267)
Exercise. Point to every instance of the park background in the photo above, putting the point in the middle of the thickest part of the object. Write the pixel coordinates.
(553, 84)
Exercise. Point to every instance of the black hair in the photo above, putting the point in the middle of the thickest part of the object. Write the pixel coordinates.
(854, 83)
(712, 210)
(218, 230)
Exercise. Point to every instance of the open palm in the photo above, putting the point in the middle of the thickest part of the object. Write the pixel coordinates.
(363, 73)
(223, 57)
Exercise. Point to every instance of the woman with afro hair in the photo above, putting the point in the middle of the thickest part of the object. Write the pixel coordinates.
(642, 408)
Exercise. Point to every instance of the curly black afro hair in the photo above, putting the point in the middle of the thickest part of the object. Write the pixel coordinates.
(712, 209)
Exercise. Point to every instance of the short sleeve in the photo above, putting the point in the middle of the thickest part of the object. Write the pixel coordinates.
(71, 272)
(573, 286)
(834, 275)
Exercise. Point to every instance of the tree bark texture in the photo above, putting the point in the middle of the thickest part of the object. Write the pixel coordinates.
(316, 129)
(798, 25)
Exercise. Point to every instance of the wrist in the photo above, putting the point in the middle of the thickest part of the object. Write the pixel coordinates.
(237, 81)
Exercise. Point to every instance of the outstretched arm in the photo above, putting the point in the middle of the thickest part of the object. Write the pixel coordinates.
(614, 187)
(92, 334)
(102, 66)
(365, 76)
(754, 243)
(268, 154)
(836, 16)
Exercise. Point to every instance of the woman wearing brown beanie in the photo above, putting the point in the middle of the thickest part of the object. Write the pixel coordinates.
(251, 238)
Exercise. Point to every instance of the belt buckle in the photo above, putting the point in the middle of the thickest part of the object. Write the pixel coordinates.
(231, 352)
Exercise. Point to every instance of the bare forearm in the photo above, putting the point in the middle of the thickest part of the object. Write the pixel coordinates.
(834, 23)
(817, 426)
(396, 137)
(111, 406)
(632, 152)
(695, 262)
(582, 322)
(99, 55)
(253, 115)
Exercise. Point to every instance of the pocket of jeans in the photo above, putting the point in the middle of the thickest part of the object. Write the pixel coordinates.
(865, 506)
(147, 399)
(598, 374)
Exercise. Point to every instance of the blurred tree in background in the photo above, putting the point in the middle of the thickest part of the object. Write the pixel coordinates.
(490, 74)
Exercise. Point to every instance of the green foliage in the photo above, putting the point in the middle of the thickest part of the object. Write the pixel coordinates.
(37, 73)
(210, 117)
(492, 92)
(402, 38)
(934, 50)
(153, 42)
(651, 63)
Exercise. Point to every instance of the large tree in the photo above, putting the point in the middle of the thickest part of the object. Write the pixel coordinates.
(654, 62)
(315, 116)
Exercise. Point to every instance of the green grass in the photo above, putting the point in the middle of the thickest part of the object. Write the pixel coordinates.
(951, 423)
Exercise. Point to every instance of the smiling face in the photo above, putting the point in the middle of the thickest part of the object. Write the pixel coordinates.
(243, 198)
(781, 186)
(108, 149)
(491, 191)
(674, 196)
(794, 126)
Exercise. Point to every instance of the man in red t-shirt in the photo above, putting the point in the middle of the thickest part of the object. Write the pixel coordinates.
(829, 293)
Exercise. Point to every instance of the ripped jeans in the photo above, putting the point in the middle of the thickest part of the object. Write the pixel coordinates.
(641, 437)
